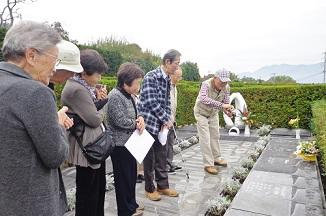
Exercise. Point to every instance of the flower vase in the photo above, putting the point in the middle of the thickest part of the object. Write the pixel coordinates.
(247, 130)
(308, 157)
(297, 133)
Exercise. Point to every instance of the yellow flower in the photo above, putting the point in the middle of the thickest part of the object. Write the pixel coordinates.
(294, 122)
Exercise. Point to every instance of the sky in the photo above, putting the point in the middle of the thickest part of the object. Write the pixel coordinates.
(238, 35)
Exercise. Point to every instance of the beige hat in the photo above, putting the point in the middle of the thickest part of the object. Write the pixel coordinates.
(69, 55)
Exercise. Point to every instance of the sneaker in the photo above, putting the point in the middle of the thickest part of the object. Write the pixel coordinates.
(138, 213)
(154, 196)
(221, 162)
(211, 170)
(168, 192)
(171, 171)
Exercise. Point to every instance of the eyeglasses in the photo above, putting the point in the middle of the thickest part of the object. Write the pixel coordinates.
(57, 60)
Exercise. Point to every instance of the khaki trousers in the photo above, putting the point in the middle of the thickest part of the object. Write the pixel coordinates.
(209, 137)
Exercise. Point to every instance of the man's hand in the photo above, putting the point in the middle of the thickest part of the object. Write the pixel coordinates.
(168, 125)
(64, 120)
(140, 124)
(227, 109)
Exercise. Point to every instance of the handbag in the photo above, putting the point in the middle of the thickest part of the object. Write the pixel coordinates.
(100, 149)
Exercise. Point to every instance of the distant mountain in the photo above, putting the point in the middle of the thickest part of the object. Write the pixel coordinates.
(311, 73)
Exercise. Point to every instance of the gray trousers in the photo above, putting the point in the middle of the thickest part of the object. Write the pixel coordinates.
(169, 149)
(155, 161)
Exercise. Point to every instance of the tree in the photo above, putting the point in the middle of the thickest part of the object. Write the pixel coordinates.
(10, 11)
(63, 33)
(248, 80)
(3, 32)
(281, 79)
(112, 58)
(190, 71)
(234, 77)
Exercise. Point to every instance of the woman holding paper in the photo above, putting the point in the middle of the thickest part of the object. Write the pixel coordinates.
(123, 121)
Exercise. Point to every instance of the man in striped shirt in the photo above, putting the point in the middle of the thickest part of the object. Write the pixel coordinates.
(155, 107)
(214, 96)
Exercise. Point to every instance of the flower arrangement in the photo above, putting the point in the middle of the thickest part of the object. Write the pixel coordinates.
(246, 117)
(294, 123)
(307, 147)
(307, 150)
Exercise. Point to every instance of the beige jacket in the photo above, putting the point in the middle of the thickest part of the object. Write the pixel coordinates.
(208, 107)
(79, 101)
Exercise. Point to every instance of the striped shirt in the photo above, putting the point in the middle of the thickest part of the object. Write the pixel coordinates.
(205, 99)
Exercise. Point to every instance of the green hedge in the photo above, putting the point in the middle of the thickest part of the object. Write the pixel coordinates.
(272, 104)
(319, 129)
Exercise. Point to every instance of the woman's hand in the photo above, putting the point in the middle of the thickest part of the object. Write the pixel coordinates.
(140, 124)
(64, 120)
(101, 93)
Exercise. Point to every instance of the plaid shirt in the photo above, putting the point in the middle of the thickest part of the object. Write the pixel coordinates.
(154, 104)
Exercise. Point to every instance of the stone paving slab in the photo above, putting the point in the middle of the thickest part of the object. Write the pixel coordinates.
(195, 191)
(280, 184)
(289, 133)
(242, 213)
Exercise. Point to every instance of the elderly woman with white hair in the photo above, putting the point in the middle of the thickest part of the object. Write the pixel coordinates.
(33, 141)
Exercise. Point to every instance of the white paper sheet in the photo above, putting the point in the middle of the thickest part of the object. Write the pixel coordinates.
(139, 144)
(163, 136)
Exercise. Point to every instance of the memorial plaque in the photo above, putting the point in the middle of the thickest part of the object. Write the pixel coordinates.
(270, 190)
(307, 196)
(276, 164)
(268, 205)
(270, 177)
(236, 212)
(301, 182)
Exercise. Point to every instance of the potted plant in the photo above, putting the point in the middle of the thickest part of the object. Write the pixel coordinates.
(307, 150)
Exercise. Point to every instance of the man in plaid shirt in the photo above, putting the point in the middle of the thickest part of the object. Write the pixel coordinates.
(155, 107)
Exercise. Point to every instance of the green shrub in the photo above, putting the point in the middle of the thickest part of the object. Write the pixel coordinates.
(271, 104)
(319, 129)
(274, 105)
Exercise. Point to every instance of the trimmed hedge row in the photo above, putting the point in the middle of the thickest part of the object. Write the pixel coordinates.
(274, 105)
(319, 129)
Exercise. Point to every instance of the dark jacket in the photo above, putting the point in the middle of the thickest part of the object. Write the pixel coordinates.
(32, 143)
(121, 116)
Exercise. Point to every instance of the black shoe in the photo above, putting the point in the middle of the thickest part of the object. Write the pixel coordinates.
(140, 178)
(177, 168)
